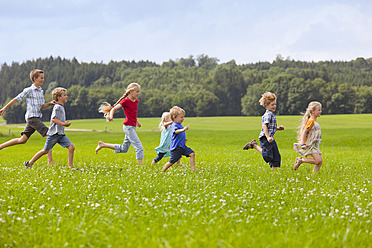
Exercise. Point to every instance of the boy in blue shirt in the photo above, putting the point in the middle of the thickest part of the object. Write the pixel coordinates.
(56, 133)
(178, 140)
(268, 149)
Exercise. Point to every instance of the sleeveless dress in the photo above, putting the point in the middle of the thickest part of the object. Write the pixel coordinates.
(165, 142)
(313, 140)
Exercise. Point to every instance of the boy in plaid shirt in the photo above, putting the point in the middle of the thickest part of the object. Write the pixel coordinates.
(268, 149)
(34, 96)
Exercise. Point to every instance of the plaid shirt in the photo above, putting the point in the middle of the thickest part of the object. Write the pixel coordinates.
(270, 119)
(34, 99)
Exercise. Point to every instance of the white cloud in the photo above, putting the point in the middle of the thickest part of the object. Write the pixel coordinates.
(246, 31)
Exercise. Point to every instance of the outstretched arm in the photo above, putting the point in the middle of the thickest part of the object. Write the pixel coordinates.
(12, 102)
(181, 130)
(110, 116)
(45, 105)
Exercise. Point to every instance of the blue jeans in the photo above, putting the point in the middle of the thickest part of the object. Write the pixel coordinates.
(131, 138)
(270, 152)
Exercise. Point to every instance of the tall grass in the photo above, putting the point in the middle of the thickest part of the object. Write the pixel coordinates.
(234, 201)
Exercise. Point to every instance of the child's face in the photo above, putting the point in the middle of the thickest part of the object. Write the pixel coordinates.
(135, 93)
(167, 118)
(317, 111)
(39, 80)
(271, 106)
(179, 119)
(63, 98)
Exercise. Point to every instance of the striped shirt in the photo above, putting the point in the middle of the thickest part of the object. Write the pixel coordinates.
(269, 119)
(34, 99)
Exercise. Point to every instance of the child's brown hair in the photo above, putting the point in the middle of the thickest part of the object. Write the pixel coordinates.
(176, 111)
(57, 92)
(267, 98)
(35, 73)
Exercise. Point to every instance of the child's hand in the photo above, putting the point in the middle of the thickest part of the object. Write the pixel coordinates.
(67, 123)
(186, 128)
(109, 118)
(139, 124)
(281, 127)
(270, 139)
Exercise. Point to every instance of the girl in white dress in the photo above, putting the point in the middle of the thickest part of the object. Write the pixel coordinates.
(309, 138)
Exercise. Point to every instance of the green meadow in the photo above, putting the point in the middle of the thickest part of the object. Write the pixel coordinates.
(235, 200)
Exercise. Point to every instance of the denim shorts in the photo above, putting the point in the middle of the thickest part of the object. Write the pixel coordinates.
(177, 153)
(54, 139)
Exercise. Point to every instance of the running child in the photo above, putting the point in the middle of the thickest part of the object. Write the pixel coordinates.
(178, 141)
(56, 133)
(309, 137)
(163, 150)
(129, 103)
(34, 96)
(268, 149)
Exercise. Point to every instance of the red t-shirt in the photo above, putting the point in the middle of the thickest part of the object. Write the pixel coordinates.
(130, 111)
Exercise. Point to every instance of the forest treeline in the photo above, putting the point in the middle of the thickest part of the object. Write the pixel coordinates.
(200, 85)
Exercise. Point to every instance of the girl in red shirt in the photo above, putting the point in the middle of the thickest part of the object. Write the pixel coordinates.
(129, 103)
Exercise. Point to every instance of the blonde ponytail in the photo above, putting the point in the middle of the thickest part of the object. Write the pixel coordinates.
(106, 107)
(311, 107)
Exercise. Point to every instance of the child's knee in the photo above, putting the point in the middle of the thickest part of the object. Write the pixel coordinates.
(71, 148)
(192, 155)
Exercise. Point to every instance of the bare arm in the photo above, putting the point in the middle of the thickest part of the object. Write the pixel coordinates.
(12, 102)
(304, 138)
(266, 131)
(181, 130)
(45, 105)
(110, 116)
(58, 122)
(166, 124)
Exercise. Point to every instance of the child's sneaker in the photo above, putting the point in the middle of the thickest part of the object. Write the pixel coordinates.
(27, 164)
(250, 145)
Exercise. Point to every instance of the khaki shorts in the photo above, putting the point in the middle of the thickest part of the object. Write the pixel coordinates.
(34, 124)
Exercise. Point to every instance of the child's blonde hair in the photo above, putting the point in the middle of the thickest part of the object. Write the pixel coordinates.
(311, 107)
(35, 73)
(267, 98)
(106, 107)
(164, 116)
(57, 92)
(176, 111)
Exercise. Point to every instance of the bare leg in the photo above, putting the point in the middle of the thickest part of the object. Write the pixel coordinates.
(192, 161)
(317, 160)
(166, 166)
(140, 162)
(50, 158)
(179, 163)
(104, 145)
(16, 141)
(37, 156)
(258, 148)
(71, 150)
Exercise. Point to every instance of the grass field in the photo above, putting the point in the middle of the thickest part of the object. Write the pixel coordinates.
(234, 201)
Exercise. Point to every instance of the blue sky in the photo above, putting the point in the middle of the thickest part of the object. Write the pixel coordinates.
(244, 30)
